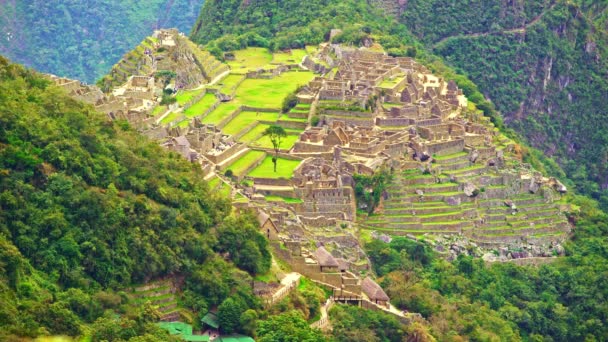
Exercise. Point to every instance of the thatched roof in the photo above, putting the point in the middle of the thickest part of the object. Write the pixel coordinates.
(324, 258)
(373, 290)
(262, 217)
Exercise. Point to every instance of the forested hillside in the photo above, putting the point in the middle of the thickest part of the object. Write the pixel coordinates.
(544, 65)
(89, 207)
(83, 39)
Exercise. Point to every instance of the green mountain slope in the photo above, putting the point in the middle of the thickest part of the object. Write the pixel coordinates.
(544, 65)
(82, 40)
(89, 207)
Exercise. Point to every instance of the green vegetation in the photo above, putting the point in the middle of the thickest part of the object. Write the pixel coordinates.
(269, 93)
(547, 74)
(254, 133)
(244, 119)
(293, 56)
(265, 170)
(275, 134)
(185, 96)
(221, 112)
(250, 59)
(547, 302)
(243, 163)
(89, 207)
(201, 106)
(75, 40)
(286, 144)
(368, 189)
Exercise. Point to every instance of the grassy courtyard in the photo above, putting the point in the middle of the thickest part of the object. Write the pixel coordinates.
(285, 168)
(254, 133)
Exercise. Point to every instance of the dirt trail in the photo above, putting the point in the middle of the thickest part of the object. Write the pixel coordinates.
(521, 29)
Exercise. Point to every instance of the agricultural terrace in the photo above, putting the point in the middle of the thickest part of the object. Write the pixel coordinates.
(254, 133)
(241, 165)
(219, 113)
(294, 56)
(269, 93)
(249, 59)
(285, 168)
(245, 119)
(185, 96)
(286, 143)
(201, 106)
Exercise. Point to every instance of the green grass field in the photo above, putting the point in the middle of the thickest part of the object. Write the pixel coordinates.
(158, 110)
(245, 119)
(286, 142)
(219, 113)
(201, 106)
(184, 96)
(254, 133)
(285, 168)
(228, 83)
(293, 57)
(250, 59)
(170, 118)
(269, 93)
(241, 165)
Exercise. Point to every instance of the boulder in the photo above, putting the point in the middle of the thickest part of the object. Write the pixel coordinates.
(473, 156)
(453, 200)
(419, 192)
(470, 189)
(534, 186)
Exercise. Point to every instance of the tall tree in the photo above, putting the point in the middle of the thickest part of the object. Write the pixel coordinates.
(276, 135)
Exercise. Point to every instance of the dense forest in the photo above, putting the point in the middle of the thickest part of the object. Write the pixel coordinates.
(543, 64)
(83, 39)
(566, 300)
(89, 207)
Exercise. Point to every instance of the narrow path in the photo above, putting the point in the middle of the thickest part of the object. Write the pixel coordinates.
(521, 29)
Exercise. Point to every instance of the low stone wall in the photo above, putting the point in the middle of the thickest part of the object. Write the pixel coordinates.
(319, 221)
(292, 124)
(227, 119)
(394, 122)
(226, 154)
(272, 181)
(303, 147)
(446, 147)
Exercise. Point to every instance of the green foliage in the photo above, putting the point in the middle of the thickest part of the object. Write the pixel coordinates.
(280, 25)
(289, 102)
(73, 38)
(548, 79)
(289, 326)
(562, 301)
(229, 314)
(369, 189)
(88, 206)
(241, 239)
(351, 323)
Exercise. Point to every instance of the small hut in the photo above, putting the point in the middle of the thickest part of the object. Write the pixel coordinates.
(327, 262)
(374, 292)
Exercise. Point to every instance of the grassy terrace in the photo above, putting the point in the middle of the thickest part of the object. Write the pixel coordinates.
(250, 59)
(273, 198)
(185, 96)
(170, 118)
(269, 93)
(245, 119)
(286, 143)
(201, 106)
(285, 168)
(229, 83)
(450, 156)
(293, 57)
(223, 110)
(158, 110)
(254, 133)
(241, 165)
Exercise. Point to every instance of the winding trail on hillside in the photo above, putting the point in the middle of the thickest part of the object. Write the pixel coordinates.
(521, 29)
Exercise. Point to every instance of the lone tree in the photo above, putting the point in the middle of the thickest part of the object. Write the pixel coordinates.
(276, 134)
